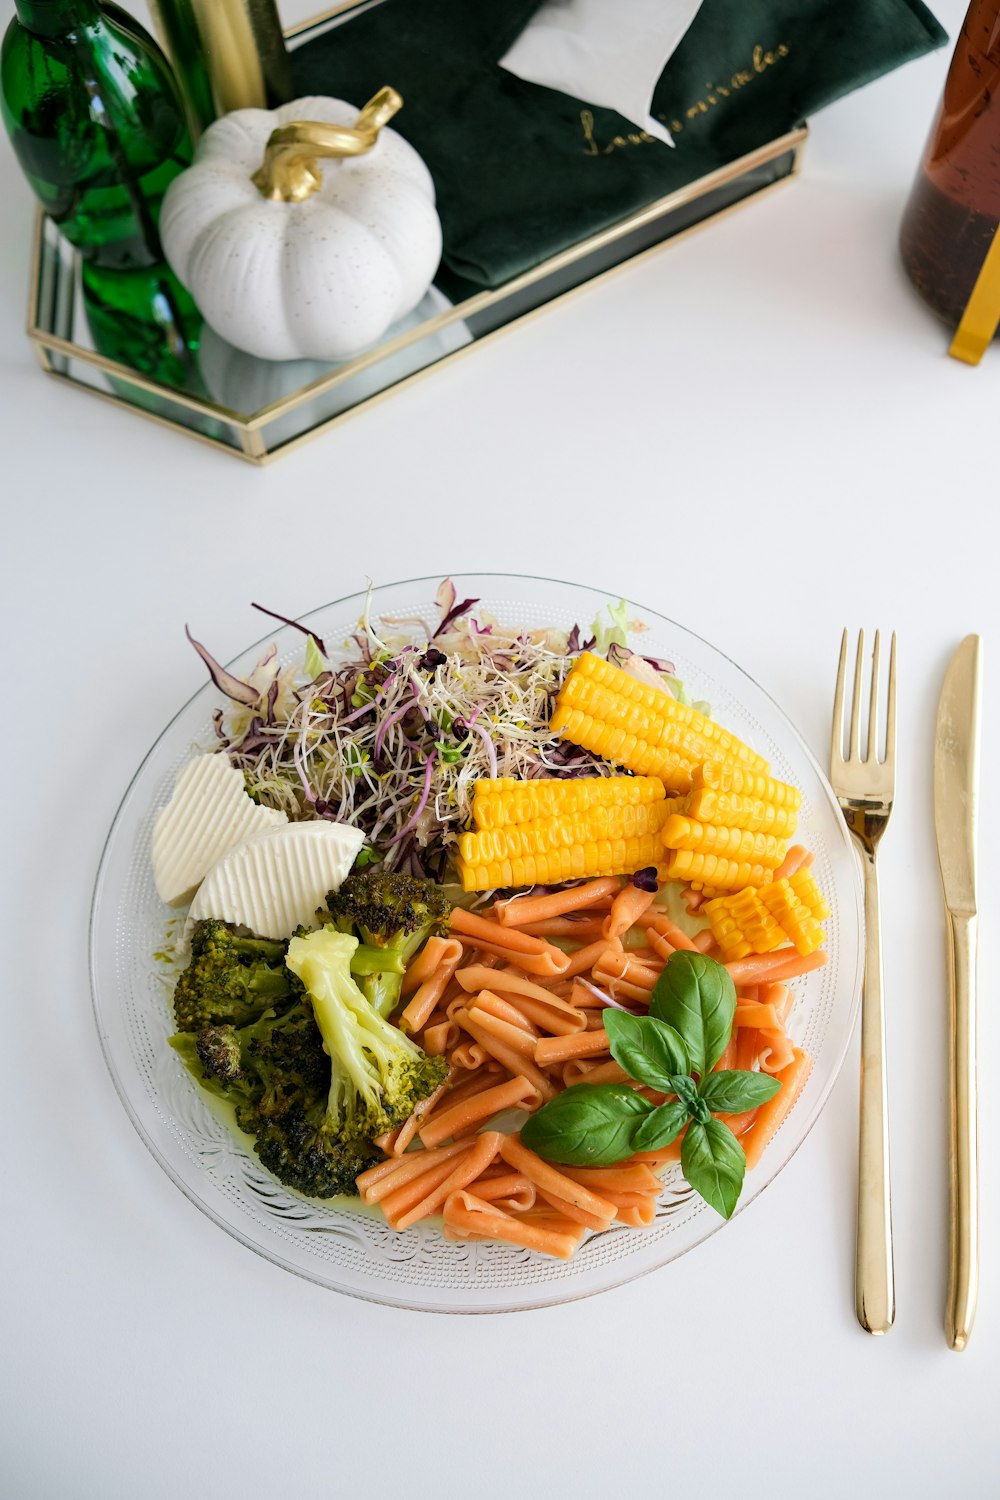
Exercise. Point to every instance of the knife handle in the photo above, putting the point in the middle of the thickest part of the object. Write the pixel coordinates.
(874, 1286)
(963, 1235)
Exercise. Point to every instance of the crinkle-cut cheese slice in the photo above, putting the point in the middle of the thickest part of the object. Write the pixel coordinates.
(208, 814)
(274, 883)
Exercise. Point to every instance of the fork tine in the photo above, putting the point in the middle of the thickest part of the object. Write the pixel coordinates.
(872, 751)
(837, 734)
(890, 713)
(854, 737)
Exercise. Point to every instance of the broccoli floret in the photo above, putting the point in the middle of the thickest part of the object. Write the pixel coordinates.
(314, 1085)
(392, 915)
(377, 1075)
(230, 980)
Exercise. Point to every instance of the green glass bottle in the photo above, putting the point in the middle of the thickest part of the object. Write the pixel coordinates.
(95, 119)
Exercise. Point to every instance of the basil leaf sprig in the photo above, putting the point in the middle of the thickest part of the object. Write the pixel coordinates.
(672, 1050)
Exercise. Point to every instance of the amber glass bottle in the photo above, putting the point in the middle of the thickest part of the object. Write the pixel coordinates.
(954, 208)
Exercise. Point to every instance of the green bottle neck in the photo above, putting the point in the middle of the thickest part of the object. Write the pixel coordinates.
(56, 17)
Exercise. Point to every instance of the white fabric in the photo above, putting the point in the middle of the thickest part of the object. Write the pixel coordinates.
(606, 52)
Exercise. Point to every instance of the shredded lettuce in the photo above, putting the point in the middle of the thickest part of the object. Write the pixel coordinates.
(615, 634)
(314, 662)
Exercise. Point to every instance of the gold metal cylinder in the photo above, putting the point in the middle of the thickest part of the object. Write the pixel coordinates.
(227, 54)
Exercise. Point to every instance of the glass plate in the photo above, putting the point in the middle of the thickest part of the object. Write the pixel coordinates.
(353, 1250)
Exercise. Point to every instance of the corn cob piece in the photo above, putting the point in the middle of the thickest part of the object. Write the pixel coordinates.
(501, 802)
(566, 831)
(722, 775)
(714, 870)
(793, 916)
(809, 893)
(612, 714)
(742, 924)
(583, 861)
(737, 810)
(680, 832)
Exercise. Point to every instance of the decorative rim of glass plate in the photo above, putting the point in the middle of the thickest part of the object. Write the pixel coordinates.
(353, 1250)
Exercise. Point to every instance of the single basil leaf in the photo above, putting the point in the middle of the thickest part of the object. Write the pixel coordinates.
(713, 1162)
(696, 996)
(587, 1125)
(661, 1127)
(650, 1051)
(733, 1091)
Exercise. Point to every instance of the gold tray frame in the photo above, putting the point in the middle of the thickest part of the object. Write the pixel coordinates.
(251, 436)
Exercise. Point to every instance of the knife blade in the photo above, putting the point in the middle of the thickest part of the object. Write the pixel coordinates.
(956, 796)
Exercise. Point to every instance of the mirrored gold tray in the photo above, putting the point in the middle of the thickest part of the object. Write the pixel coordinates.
(258, 409)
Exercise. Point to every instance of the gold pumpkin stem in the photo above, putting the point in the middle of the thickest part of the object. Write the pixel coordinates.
(290, 172)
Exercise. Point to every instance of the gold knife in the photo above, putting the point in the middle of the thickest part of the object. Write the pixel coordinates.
(956, 795)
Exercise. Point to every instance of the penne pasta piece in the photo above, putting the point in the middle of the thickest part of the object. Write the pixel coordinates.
(764, 1016)
(385, 1175)
(783, 964)
(504, 1010)
(521, 909)
(425, 999)
(585, 958)
(570, 929)
(468, 1055)
(548, 1180)
(626, 908)
(506, 981)
(607, 1072)
(775, 1051)
(401, 1138)
(747, 1043)
(797, 858)
(772, 1114)
(663, 927)
(640, 1216)
(483, 1105)
(728, 1058)
(554, 1015)
(705, 942)
(577, 1214)
(626, 966)
(467, 1216)
(463, 1171)
(423, 966)
(516, 1063)
(576, 1070)
(623, 1179)
(781, 997)
(516, 1038)
(475, 928)
(556, 1049)
(439, 1038)
(510, 1191)
(549, 964)
(397, 1204)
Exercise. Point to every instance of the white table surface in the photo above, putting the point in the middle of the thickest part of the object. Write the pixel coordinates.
(756, 430)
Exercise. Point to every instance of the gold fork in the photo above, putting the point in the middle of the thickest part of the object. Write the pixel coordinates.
(864, 788)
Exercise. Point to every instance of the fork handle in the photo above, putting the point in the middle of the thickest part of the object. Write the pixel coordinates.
(963, 1238)
(874, 1291)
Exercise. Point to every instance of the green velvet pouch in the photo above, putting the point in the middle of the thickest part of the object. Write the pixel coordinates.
(522, 172)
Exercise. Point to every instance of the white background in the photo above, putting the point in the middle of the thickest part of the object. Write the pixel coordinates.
(758, 432)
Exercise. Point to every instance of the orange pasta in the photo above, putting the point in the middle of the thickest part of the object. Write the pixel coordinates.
(585, 958)
(797, 858)
(504, 1010)
(510, 941)
(397, 1203)
(704, 941)
(640, 1216)
(728, 1058)
(576, 1212)
(400, 1139)
(620, 1178)
(512, 1059)
(510, 1191)
(606, 1072)
(555, 1015)
(547, 965)
(663, 927)
(785, 963)
(548, 1180)
(775, 1051)
(628, 905)
(773, 1113)
(521, 909)
(747, 1043)
(626, 966)
(463, 1171)
(439, 1038)
(469, 1217)
(458, 1118)
(515, 1038)
(570, 929)
(433, 987)
(387, 1175)
(764, 1016)
(426, 961)
(556, 1049)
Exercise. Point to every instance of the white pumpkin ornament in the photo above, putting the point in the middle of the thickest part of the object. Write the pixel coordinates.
(288, 259)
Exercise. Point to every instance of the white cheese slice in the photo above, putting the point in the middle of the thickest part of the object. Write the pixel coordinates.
(208, 814)
(274, 883)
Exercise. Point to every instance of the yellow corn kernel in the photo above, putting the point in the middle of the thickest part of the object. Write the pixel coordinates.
(809, 893)
(567, 831)
(715, 870)
(582, 861)
(721, 775)
(501, 802)
(611, 713)
(743, 918)
(680, 832)
(736, 810)
(793, 917)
